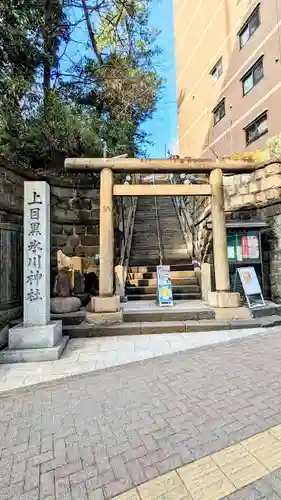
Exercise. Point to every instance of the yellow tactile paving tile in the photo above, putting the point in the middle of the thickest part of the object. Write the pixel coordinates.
(245, 472)
(266, 448)
(214, 491)
(198, 468)
(258, 442)
(229, 455)
(239, 465)
(205, 480)
(168, 486)
(276, 432)
(218, 475)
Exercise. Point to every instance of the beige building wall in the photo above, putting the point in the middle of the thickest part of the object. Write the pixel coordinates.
(205, 31)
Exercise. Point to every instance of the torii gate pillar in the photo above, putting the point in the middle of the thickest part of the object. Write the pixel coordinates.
(222, 297)
(106, 302)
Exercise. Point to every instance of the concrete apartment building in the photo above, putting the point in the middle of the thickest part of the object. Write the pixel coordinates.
(228, 66)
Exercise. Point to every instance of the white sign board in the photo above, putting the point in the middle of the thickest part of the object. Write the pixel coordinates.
(36, 253)
(164, 286)
(251, 285)
(249, 280)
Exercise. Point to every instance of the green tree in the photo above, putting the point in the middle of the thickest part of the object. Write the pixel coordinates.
(50, 109)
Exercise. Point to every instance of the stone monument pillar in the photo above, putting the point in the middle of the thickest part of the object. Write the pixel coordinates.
(36, 253)
(38, 338)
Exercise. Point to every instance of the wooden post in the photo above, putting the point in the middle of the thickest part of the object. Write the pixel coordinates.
(106, 233)
(219, 232)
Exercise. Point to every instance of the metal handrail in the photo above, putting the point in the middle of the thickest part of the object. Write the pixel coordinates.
(128, 230)
(126, 247)
(180, 209)
(158, 230)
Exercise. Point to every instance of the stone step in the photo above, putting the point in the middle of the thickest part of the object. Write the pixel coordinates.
(176, 296)
(141, 252)
(168, 314)
(160, 322)
(174, 245)
(182, 264)
(152, 262)
(186, 267)
(153, 281)
(74, 318)
(271, 309)
(153, 275)
(152, 290)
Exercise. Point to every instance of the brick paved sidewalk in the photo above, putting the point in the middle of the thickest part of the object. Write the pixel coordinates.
(98, 435)
(92, 354)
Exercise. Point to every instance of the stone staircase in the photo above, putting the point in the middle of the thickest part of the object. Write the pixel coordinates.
(155, 320)
(173, 242)
(145, 248)
(145, 253)
(142, 282)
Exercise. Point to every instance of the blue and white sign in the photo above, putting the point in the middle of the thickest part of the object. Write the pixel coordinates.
(164, 286)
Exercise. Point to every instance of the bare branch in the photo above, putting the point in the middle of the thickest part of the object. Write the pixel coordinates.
(91, 32)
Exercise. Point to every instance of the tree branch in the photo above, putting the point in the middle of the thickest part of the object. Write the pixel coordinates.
(91, 32)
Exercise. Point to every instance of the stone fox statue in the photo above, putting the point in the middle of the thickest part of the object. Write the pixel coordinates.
(67, 265)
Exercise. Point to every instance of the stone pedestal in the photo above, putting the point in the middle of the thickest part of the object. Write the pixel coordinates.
(224, 299)
(104, 318)
(205, 280)
(37, 339)
(104, 304)
(34, 343)
(104, 310)
(119, 283)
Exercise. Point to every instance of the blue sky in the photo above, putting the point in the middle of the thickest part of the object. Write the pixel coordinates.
(163, 126)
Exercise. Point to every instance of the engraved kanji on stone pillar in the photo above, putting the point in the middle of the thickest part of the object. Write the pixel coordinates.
(36, 253)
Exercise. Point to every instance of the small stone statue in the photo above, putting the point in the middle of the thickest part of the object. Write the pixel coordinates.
(69, 266)
(62, 287)
(79, 283)
(67, 257)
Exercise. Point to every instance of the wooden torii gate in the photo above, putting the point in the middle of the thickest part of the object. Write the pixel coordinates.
(222, 297)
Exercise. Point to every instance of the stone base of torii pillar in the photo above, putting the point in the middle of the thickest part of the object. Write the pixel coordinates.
(104, 311)
(38, 338)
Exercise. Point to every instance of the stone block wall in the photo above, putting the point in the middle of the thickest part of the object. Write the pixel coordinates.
(256, 189)
(260, 193)
(73, 210)
(272, 248)
(11, 243)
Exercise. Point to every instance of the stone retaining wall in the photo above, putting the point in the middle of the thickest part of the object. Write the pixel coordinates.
(73, 209)
(258, 193)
